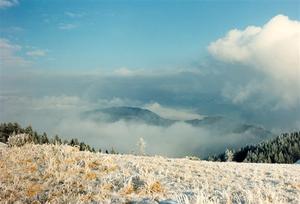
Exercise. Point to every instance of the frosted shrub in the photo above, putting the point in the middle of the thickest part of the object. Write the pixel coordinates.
(141, 145)
(19, 140)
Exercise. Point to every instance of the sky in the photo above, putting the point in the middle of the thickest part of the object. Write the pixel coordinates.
(89, 35)
(237, 59)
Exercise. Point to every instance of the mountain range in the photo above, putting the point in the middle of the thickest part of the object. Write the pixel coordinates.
(219, 124)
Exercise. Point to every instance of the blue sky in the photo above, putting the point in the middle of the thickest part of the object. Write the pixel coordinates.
(89, 35)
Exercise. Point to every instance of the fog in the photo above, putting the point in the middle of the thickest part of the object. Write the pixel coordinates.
(180, 139)
(62, 116)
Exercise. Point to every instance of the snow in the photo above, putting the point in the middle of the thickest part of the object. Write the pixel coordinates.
(3, 145)
(59, 173)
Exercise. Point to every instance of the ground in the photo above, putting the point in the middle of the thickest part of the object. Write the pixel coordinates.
(63, 174)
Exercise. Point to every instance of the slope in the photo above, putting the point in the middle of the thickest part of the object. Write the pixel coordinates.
(63, 174)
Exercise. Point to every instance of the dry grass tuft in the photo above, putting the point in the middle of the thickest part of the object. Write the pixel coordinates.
(107, 187)
(296, 186)
(127, 190)
(91, 176)
(156, 187)
(34, 190)
(32, 169)
(94, 165)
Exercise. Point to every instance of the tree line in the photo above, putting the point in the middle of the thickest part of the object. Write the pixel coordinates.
(284, 148)
(8, 129)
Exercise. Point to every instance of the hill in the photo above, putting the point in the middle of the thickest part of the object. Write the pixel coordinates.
(63, 174)
(225, 125)
(219, 124)
(132, 114)
(284, 148)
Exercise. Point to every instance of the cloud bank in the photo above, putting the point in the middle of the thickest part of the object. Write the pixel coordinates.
(61, 115)
(273, 51)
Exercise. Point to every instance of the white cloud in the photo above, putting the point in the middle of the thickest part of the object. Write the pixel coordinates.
(36, 53)
(8, 54)
(73, 14)
(234, 47)
(8, 3)
(170, 113)
(243, 92)
(68, 26)
(272, 50)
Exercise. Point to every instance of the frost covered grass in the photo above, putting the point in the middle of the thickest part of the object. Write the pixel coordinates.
(63, 174)
(19, 140)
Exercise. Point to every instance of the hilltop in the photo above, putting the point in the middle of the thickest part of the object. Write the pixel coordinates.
(61, 173)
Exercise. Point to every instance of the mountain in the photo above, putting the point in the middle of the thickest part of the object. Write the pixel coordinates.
(208, 120)
(133, 114)
(218, 124)
(226, 125)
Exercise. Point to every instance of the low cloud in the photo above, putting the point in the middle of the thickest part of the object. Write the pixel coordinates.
(271, 50)
(178, 140)
(62, 115)
(8, 3)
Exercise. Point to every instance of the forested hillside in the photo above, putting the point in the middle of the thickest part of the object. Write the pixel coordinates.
(282, 149)
(8, 129)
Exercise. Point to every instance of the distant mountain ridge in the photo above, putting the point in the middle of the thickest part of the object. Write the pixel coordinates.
(134, 114)
(228, 125)
(145, 116)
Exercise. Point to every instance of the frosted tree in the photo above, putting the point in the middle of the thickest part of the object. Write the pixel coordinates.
(228, 155)
(141, 145)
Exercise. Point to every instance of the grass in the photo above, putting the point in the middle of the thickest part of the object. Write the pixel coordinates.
(63, 174)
